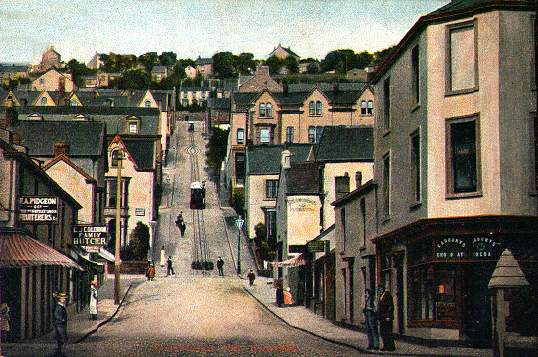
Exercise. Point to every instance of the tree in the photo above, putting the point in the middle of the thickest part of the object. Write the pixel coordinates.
(312, 68)
(223, 65)
(245, 63)
(216, 148)
(363, 59)
(149, 60)
(292, 65)
(339, 60)
(139, 242)
(275, 64)
(167, 58)
(133, 79)
(379, 56)
(78, 71)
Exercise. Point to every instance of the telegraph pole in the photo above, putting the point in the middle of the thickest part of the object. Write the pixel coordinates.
(117, 259)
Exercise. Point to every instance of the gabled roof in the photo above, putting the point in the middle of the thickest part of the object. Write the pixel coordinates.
(303, 178)
(140, 151)
(359, 191)
(265, 159)
(12, 68)
(343, 144)
(157, 69)
(219, 103)
(65, 158)
(454, 10)
(287, 49)
(203, 61)
(85, 139)
(242, 99)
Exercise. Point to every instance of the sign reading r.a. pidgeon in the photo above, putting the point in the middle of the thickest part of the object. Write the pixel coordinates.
(38, 209)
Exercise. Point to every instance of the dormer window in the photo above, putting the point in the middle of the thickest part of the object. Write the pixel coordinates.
(80, 117)
(262, 109)
(133, 127)
(115, 156)
(35, 116)
(43, 100)
(147, 104)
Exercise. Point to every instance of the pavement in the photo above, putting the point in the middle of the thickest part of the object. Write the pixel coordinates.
(303, 319)
(79, 325)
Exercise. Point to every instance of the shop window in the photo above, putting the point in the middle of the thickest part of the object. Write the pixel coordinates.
(463, 157)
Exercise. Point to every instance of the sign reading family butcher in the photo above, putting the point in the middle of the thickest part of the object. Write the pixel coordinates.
(89, 236)
(38, 209)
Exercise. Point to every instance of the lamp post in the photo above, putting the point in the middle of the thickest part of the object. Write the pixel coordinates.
(239, 224)
(117, 261)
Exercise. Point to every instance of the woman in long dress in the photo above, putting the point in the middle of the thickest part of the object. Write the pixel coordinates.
(163, 257)
(93, 301)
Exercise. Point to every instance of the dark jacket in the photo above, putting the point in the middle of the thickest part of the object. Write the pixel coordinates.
(220, 263)
(385, 310)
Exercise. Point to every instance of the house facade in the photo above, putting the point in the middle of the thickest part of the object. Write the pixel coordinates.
(52, 80)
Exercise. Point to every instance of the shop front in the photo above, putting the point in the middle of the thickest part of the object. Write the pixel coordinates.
(439, 276)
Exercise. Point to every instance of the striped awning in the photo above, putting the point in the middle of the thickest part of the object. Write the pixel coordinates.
(18, 250)
(292, 262)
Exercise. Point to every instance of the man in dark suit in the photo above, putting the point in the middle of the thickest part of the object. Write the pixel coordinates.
(60, 321)
(385, 315)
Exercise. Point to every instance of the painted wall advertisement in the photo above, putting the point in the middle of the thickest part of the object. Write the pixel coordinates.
(38, 209)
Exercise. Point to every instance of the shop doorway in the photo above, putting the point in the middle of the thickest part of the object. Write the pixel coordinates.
(398, 264)
(476, 317)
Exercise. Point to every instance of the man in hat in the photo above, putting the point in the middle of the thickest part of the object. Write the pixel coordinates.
(385, 315)
(60, 321)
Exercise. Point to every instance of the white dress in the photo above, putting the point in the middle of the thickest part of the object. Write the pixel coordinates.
(163, 258)
(93, 300)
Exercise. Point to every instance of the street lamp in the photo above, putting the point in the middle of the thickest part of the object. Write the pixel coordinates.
(239, 224)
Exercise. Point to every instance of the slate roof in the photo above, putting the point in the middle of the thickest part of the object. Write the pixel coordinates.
(340, 144)
(265, 159)
(83, 138)
(114, 117)
(219, 103)
(303, 178)
(12, 68)
(142, 151)
(203, 61)
(324, 86)
(243, 99)
(342, 97)
(159, 69)
(29, 95)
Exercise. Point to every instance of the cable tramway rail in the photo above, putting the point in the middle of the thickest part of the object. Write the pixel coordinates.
(200, 254)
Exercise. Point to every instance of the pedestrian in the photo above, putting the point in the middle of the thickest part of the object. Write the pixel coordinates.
(93, 300)
(180, 223)
(60, 321)
(169, 267)
(182, 228)
(288, 298)
(385, 315)
(147, 269)
(151, 271)
(279, 292)
(163, 257)
(251, 276)
(220, 265)
(370, 320)
(4, 321)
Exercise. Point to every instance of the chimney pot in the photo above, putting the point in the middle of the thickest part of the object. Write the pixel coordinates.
(358, 178)
(286, 159)
(341, 186)
(60, 147)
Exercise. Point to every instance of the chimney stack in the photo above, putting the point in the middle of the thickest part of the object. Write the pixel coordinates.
(341, 186)
(286, 159)
(60, 148)
(358, 178)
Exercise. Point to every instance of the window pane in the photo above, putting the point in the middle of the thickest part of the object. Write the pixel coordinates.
(269, 110)
(370, 107)
(319, 132)
(311, 108)
(311, 134)
(318, 107)
(111, 191)
(240, 135)
(363, 107)
(386, 107)
(262, 110)
(415, 166)
(416, 73)
(133, 128)
(462, 55)
(386, 184)
(463, 138)
(289, 134)
(264, 135)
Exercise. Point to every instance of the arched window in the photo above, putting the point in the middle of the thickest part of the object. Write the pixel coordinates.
(43, 100)
(262, 109)
(312, 108)
(115, 157)
(318, 108)
(370, 107)
(363, 107)
(147, 104)
(268, 110)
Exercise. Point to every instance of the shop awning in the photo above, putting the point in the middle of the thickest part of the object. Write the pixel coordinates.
(105, 254)
(292, 262)
(18, 250)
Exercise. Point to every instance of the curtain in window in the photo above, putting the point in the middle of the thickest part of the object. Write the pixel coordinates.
(463, 138)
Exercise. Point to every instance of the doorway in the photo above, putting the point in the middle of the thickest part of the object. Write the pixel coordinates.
(398, 264)
(476, 317)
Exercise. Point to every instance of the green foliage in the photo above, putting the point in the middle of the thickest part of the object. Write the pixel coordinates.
(312, 68)
(149, 60)
(265, 251)
(224, 65)
(379, 56)
(216, 148)
(238, 201)
(342, 61)
(245, 63)
(78, 70)
(260, 231)
(167, 58)
(133, 79)
(275, 64)
(138, 243)
(291, 65)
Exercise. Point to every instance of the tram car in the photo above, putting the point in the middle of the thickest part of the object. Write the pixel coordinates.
(197, 195)
(191, 126)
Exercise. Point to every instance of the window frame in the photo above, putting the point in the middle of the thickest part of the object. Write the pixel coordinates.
(113, 160)
(242, 140)
(312, 128)
(387, 178)
(319, 107)
(268, 110)
(364, 107)
(271, 186)
(387, 92)
(448, 57)
(415, 169)
(450, 194)
(135, 122)
(415, 74)
(268, 135)
(289, 134)
(147, 104)
(370, 107)
(43, 101)
(312, 108)
(260, 111)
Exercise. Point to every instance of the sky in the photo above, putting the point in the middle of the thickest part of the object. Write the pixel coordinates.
(80, 28)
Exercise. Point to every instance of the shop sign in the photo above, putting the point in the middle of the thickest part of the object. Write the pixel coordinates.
(38, 209)
(140, 212)
(486, 247)
(89, 235)
(316, 246)
(450, 248)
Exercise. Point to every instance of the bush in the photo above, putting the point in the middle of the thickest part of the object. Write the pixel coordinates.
(238, 201)
(202, 265)
(138, 243)
(265, 251)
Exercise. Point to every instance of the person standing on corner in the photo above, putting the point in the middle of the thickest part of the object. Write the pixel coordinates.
(385, 315)
(93, 300)
(220, 266)
(251, 276)
(60, 321)
(4, 321)
(371, 320)
(163, 257)
(169, 267)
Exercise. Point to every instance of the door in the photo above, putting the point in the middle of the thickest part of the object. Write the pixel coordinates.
(351, 293)
(398, 262)
(476, 319)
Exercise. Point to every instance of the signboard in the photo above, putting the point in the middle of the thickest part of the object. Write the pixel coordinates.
(316, 246)
(89, 235)
(140, 211)
(462, 248)
(38, 209)
(296, 249)
(450, 248)
(485, 247)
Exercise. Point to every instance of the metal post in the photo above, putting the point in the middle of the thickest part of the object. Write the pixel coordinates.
(239, 251)
(117, 261)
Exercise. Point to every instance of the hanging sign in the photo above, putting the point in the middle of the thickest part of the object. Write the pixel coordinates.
(89, 235)
(38, 209)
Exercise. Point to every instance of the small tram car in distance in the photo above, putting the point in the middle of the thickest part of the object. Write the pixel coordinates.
(197, 195)
(191, 126)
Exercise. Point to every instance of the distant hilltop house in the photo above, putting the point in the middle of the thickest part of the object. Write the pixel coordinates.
(191, 72)
(283, 53)
(49, 59)
(204, 66)
(158, 73)
(52, 80)
(12, 71)
(96, 62)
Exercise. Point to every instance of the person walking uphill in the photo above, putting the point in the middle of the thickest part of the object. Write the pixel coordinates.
(169, 267)
(251, 276)
(60, 321)
(93, 300)
(220, 265)
(180, 223)
(371, 320)
(385, 314)
(163, 257)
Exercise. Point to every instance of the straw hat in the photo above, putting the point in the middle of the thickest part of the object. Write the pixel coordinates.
(59, 295)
